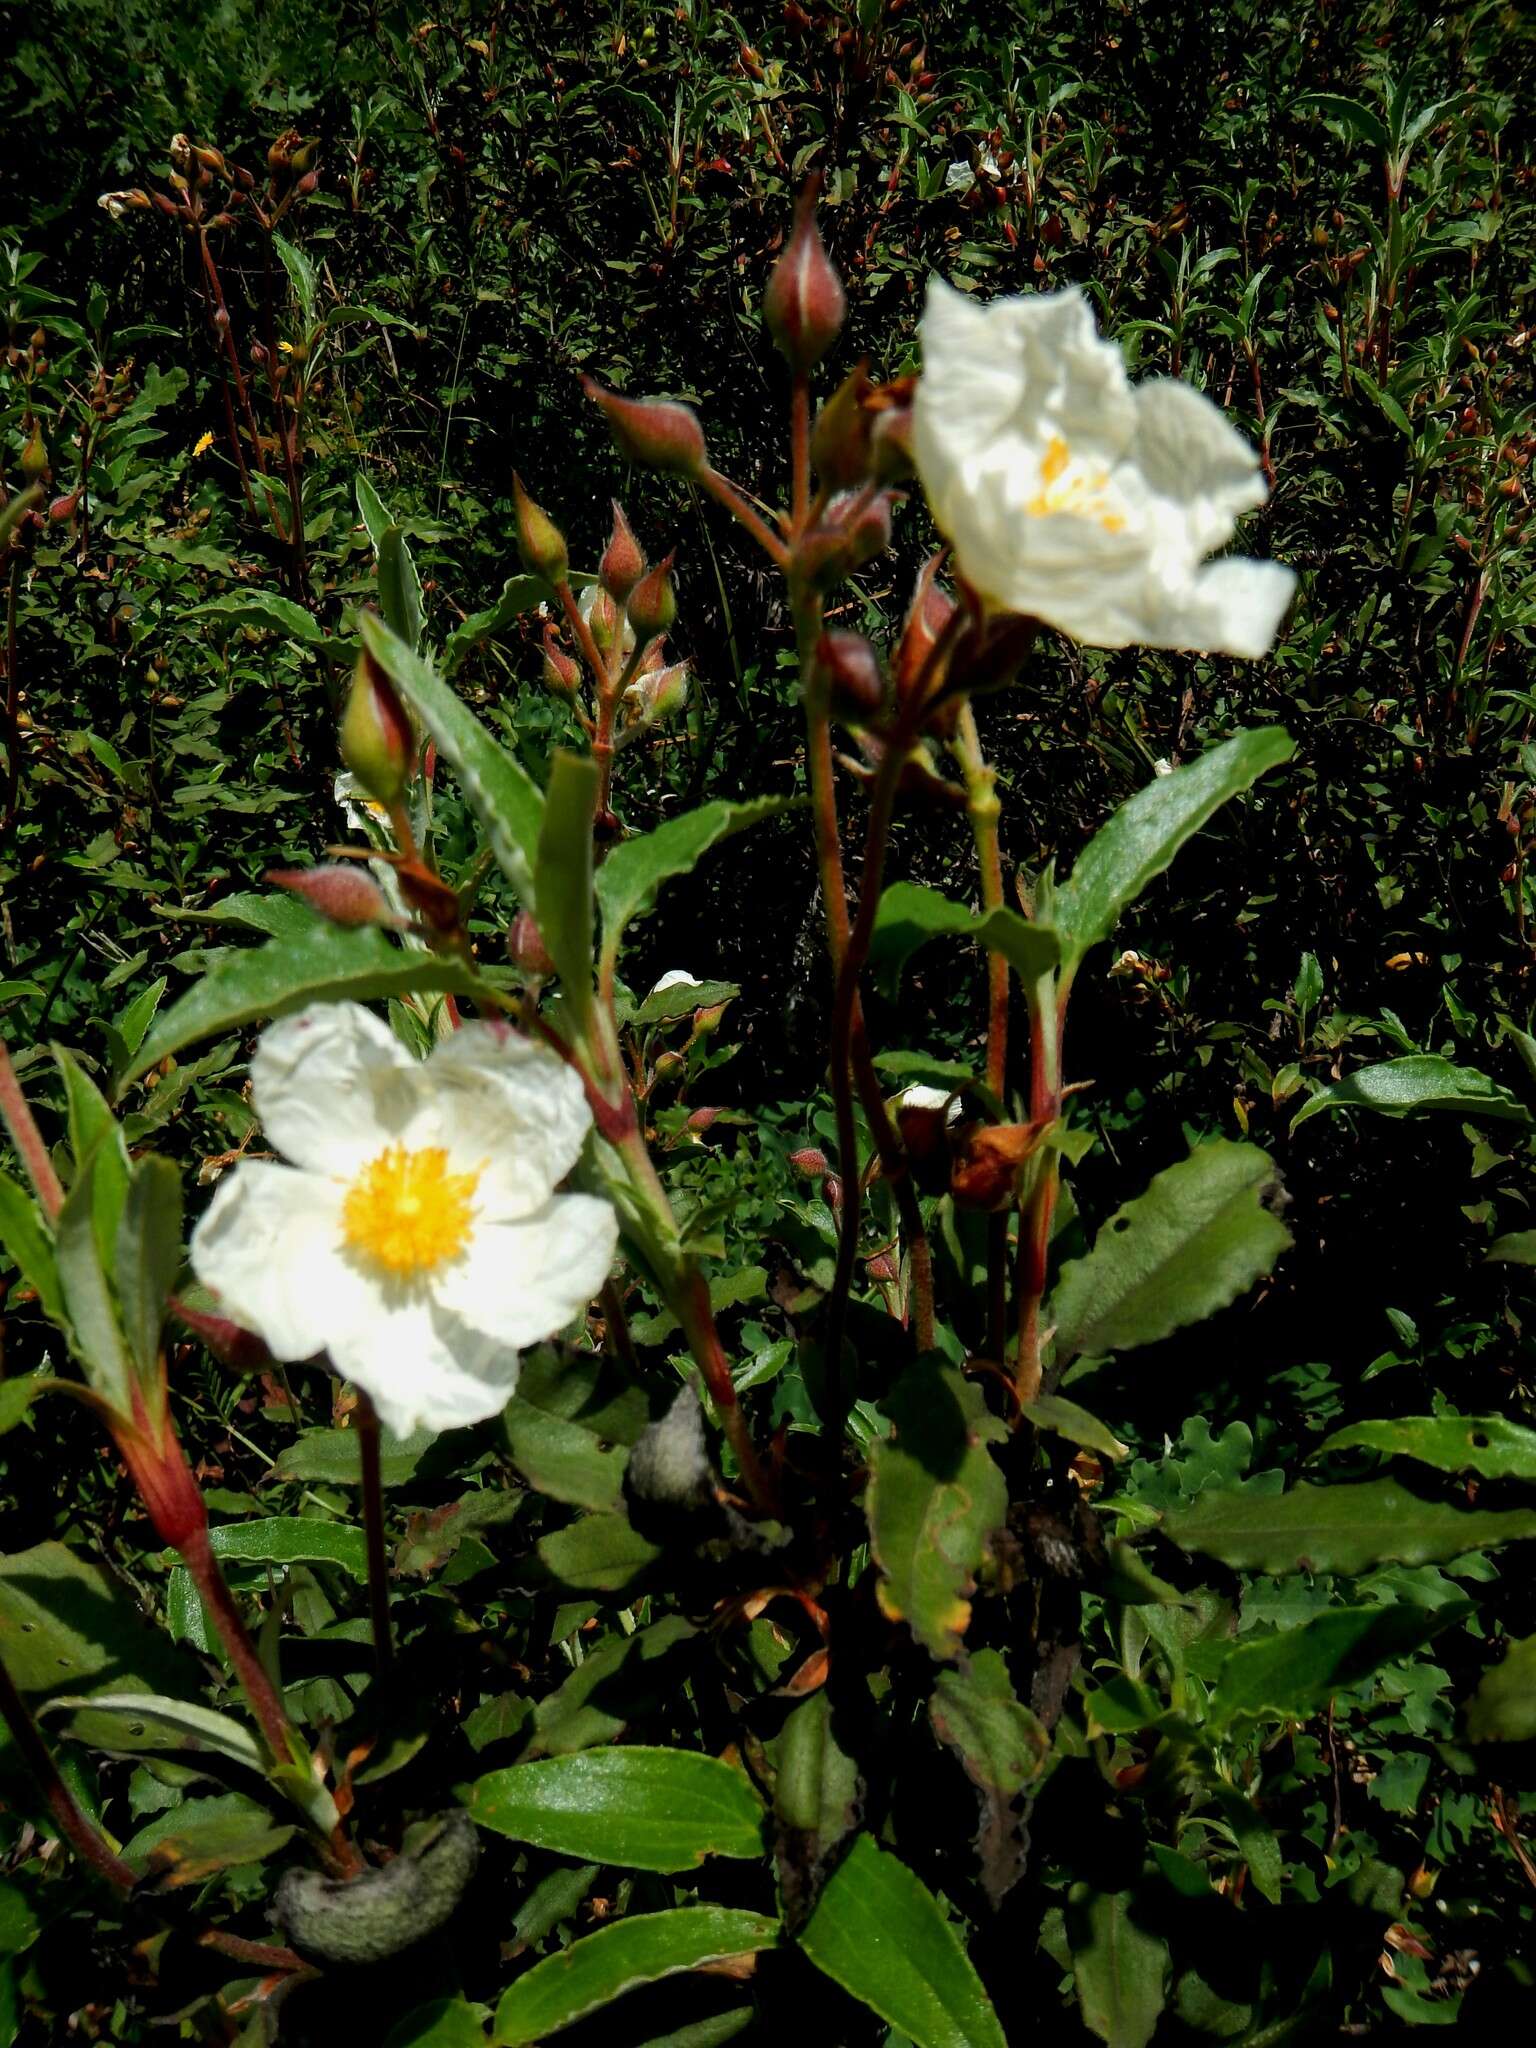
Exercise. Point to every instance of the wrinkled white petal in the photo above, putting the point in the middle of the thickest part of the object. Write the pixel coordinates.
(425, 1369)
(1070, 497)
(268, 1248)
(676, 977)
(332, 1086)
(521, 1282)
(508, 1107)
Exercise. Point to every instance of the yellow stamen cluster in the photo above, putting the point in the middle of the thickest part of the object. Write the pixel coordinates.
(407, 1213)
(1081, 494)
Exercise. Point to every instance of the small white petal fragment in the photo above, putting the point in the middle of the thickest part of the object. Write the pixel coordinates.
(418, 1237)
(1072, 497)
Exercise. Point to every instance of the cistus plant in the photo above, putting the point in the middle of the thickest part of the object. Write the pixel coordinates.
(884, 1598)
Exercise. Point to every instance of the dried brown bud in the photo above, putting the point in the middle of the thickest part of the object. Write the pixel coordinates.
(623, 562)
(804, 304)
(987, 1163)
(657, 432)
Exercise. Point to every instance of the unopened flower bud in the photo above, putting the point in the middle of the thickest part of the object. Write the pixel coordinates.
(307, 184)
(923, 1116)
(539, 541)
(832, 1191)
(840, 439)
(882, 1269)
(605, 620)
(890, 446)
(809, 1160)
(526, 948)
(623, 562)
(63, 508)
(653, 602)
(927, 618)
(869, 531)
(561, 674)
(987, 1163)
(377, 742)
(852, 670)
(804, 304)
(659, 696)
(344, 894)
(181, 156)
(34, 457)
(702, 1119)
(657, 432)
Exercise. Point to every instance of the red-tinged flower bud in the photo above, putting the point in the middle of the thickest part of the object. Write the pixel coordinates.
(804, 304)
(377, 742)
(307, 184)
(702, 1119)
(230, 1344)
(853, 673)
(561, 673)
(63, 508)
(832, 1191)
(927, 618)
(840, 439)
(882, 1269)
(823, 556)
(539, 541)
(869, 531)
(34, 457)
(604, 620)
(653, 602)
(657, 432)
(890, 447)
(809, 1160)
(623, 562)
(345, 894)
(526, 948)
(923, 1116)
(707, 1020)
(987, 1163)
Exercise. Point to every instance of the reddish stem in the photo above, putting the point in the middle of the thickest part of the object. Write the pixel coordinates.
(27, 1138)
(86, 1840)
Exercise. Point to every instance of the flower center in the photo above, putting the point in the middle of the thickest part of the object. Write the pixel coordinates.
(407, 1213)
(1063, 489)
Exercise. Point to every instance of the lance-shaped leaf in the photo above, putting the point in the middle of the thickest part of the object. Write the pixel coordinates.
(1200, 1236)
(1143, 836)
(94, 1134)
(519, 594)
(264, 608)
(399, 584)
(292, 1539)
(646, 1809)
(622, 1680)
(1290, 1675)
(93, 1320)
(504, 797)
(28, 1244)
(1484, 1444)
(1003, 1749)
(148, 1256)
(817, 1794)
(909, 916)
(936, 1496)
(1418, 1081)
(323, 965)
(1503, 1709)
(599, 1554)
(880, 1933)
(601, 1967)
(634, 871)
(1120, 1968)
(133, 1721)
(1337, 1529)
(199, 1836)
(562, 876)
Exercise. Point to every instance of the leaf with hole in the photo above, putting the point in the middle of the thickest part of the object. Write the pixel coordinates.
(1485, 1444)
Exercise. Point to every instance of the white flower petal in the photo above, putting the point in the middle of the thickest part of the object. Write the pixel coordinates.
(333, 1086)
(1236, 607)
(676, 977)
(268, 1247)
(509, 1107)
(424, 1369)
(524, 1281)
(1188, 451)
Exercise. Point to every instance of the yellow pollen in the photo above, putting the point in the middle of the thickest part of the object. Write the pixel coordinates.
(1057, 456)
(1081, 495)
(407, 1213)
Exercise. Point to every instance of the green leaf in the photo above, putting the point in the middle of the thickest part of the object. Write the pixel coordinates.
(293, 1539)
(444, 2023)
(97, 1335)
(564, 1460)
(1064, 1418)
(148, 1256)
(880, 1933)
(266, 609)
(519, 594)
(94, 1134)
(1337, 1529)
(1002, 1748)
(1358, 123)
(1119, 1969)
(1517, 1248)
(644, 1809)
(28, 1245)
(602, 1966)
(199, 1836)
(909, 916)
(322, 965)
(629, 878)
(1503, 1709)
(562, 876)
(1419, 1081)
(504, 797)
(936, 1496)
(598, 1554)
(1144, 835)
(301, 275)
(132, 1721)
(1485, 1444)
(1200, 1236)
(624, 1678)
(1292, 1674)
(399, 584)
(817, 1793)
(682, 998)
(332, 1457)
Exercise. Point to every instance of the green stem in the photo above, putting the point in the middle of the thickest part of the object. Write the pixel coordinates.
(86, 1840)
(1047, 1011)
(985, 810)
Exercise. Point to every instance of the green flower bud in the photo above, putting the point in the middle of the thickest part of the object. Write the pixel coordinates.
(377, 742)
(653, 602)
(539, 541)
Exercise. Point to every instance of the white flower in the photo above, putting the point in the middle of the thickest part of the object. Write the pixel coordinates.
(1072, 497)
(416, 1236)
(677, 977)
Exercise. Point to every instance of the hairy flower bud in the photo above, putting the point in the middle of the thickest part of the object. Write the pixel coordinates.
(605, 620)
(852, 669)
(657, 432)
(623, 562)
(927, 618)
(344, 894)
(840, 439)
(377, 742)
(539, 541)
(526, 948)
(63, 508)
(653, 602)
(809, 1160)
(561, 673)
(804, 304)
(34, 457)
